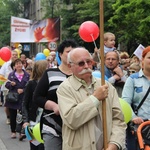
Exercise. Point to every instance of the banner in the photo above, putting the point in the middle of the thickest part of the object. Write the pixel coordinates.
(27, 31)
(20, 29)
(138, 51)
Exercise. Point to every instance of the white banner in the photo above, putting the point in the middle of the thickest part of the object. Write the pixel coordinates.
(20, 29)
(27, 31)
(138, 51)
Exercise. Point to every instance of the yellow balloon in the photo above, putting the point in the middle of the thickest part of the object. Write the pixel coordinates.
(19, 47)
(36, 133)
(126, 109)
(46, 52)
(16, 45)
(1, 62)
(18, 51)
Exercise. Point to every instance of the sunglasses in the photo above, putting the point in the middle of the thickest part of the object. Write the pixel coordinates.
(132, 71)
(82, 63)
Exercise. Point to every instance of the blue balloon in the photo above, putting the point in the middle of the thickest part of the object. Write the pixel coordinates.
(40, 56)
(28, 133)
(58, 59)
(97, 74)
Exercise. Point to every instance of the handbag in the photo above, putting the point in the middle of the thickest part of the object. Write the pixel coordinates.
(19, 123)
(12, 97)
(131, 125)
(19, 118)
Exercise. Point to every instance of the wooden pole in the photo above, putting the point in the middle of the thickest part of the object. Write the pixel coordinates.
(103, 72)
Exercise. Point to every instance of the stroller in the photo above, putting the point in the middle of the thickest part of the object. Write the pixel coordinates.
(143, 135)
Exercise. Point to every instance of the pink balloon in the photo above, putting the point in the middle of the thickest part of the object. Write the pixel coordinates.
(89, 31)
(5, 53)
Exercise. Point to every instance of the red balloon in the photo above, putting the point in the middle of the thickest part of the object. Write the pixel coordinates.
(5, 53)
(89, 31)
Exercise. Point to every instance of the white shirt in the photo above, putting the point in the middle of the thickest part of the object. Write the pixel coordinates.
(5, 70)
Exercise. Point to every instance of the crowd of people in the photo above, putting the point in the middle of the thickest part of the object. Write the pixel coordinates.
(69, 97)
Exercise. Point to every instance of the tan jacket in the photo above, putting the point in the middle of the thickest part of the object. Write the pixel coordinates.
(78, 112)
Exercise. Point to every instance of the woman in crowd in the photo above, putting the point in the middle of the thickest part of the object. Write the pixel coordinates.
(134, 90)
(134, 67)
(29, 109)
(17, 80)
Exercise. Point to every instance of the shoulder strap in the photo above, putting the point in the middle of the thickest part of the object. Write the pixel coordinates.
(142, 101)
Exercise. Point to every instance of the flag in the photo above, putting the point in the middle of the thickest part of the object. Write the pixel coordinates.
(138, 52)
(2, 80)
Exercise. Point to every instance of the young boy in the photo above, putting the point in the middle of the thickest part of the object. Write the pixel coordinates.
(109, 42)
(109, 45)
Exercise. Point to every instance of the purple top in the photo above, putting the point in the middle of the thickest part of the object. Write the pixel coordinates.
(19, 85)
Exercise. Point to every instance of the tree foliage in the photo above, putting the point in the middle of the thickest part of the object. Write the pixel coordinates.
(85, 11)
(8, 8)
(130, 22)
(127, 19)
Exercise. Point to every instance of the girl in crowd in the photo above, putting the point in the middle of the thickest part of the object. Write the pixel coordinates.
(29, 108)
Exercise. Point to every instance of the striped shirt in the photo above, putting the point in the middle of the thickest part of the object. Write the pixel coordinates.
(46, 90)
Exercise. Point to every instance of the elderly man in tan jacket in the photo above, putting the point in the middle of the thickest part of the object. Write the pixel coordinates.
(80, 103)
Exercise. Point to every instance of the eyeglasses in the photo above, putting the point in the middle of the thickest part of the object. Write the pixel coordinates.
(82, 63)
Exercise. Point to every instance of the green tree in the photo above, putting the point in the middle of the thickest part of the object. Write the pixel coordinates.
(8, 8)
(86, 11)
(4, 26)
(130, 22)
(74, 13)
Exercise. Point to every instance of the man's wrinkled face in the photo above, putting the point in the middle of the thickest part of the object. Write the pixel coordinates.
(81, 65)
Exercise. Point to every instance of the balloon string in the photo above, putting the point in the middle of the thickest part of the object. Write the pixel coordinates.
(93, 40)
(96, 47)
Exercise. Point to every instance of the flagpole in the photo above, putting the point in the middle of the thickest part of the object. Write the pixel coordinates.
(102, 73)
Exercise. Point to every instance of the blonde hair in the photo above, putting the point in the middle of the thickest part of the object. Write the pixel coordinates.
(107, 34)
(135, 59)
(124, 55)
(38, 69)
(135, 66)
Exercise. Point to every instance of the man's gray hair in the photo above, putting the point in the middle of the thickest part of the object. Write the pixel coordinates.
(70, 53)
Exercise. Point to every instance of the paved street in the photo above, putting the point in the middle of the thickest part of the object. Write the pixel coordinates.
(6, 143)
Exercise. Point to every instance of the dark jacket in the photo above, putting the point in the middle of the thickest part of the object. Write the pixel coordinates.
(29, 109)
(46, 90)
(19, 85)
